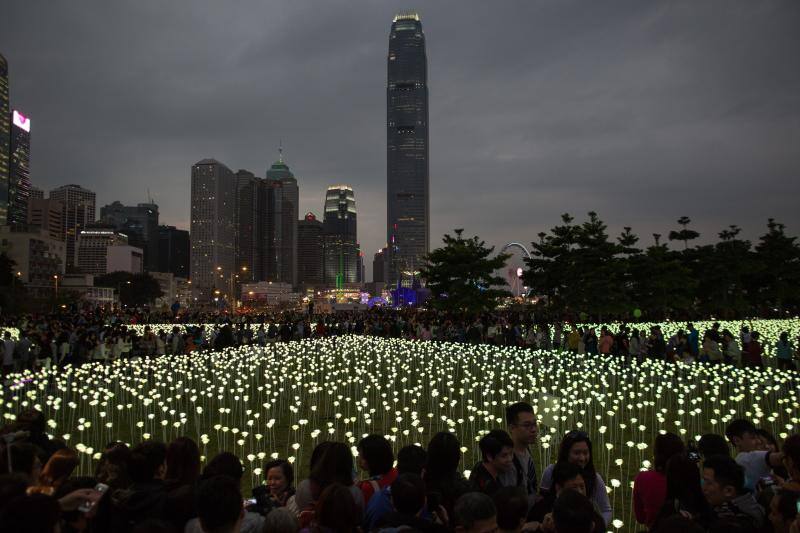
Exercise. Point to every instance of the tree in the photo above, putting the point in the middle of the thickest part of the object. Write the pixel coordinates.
(684, 234)
(461, 274)
(776, 271)
(134, 289)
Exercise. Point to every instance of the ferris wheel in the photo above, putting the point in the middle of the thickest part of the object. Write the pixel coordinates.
(514, 274)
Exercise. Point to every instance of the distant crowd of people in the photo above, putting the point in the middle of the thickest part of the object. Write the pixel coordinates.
(77, 337)
(157, 487)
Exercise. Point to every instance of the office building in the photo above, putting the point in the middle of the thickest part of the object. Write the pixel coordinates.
(339, 236)
(310, 246)
(407, 201)
(78, 210)
(102, 249)
(173, 251)
(379, 266)
(140, 223)
(36, 193)
(5, 138)
(289, 212)
(47, 215)
(37, 256)
(19, 173)
(246, 216)
(213, 228)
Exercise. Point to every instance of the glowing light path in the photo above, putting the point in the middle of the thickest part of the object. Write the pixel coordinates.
(283, 399)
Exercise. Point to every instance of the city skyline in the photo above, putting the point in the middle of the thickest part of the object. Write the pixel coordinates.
(643, 112)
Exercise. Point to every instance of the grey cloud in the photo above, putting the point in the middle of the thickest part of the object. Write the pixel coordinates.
(642, 111)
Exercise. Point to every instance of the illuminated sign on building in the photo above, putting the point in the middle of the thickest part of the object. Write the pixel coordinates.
(21, 121)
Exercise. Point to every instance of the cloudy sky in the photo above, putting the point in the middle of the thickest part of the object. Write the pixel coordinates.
(641, 111)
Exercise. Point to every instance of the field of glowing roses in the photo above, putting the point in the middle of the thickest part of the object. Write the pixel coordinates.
(283, 399)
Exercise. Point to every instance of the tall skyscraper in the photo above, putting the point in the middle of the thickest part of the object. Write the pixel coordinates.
(19, 172)
(173, 251)
(339, 234)
(78, 206)
(309, 251)
(248, 258)
(407, 201)
(140, 223)
(5, 138)
(379, 266)
(212, 230)
(290, 199)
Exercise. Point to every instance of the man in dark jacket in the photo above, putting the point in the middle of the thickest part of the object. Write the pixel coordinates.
(147, 495)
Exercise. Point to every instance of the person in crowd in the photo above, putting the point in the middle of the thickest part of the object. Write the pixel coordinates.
(278, 489)
(723, 488)
(376, 457)
(475, 512)
(219, 505)
(336, 511)
(731, 349)
(791, 461)
(411, 459)
(565, 475)
(783, 510)
(710, 351)
(444, 482)
(112, 469)
(281, 520)
(524, 430)
(576, 448)
(650, 487)
(146, 497)
(784, 352)
(22, 457)
(752, 355)
(497, 455)
(227, 465)
(684, 496)
(573, 513)
(512, 509)
(8, 347)
(712, 444)
(409, 506)
(757, 463)
(56, 471)
(181, 474)
(335, 465)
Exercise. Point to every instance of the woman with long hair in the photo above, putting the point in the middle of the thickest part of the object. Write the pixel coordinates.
(684, 491)
(576, 448)
(444, 483)
(57, 469)
(650, 487)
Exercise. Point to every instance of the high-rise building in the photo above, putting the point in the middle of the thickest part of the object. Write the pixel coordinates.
(248, 258)
(140, 223)
(102, 249)
(213, 228)
(48, 215)
(36, 193)
(19, 170)
(407, 201)
(78, 206)
(173, 251)
(309, 251)
(379, 266)
(5, 138)
(290, 200)
(37, 256)
(339, 235)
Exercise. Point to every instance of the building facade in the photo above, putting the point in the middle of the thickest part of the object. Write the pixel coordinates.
(341, 263)
(379, 266)
(140, 223)
(78, 211)
(310, 246)
(103, 249)
(213, 228)
(47, 215)
(5, 138)
(408, 200)
(279, 173)
(19, 171)
(247, 214)
(173, 251)
(38, 257)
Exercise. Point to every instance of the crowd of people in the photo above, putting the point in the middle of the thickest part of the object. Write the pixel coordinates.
(157, 487)
(95, 335)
